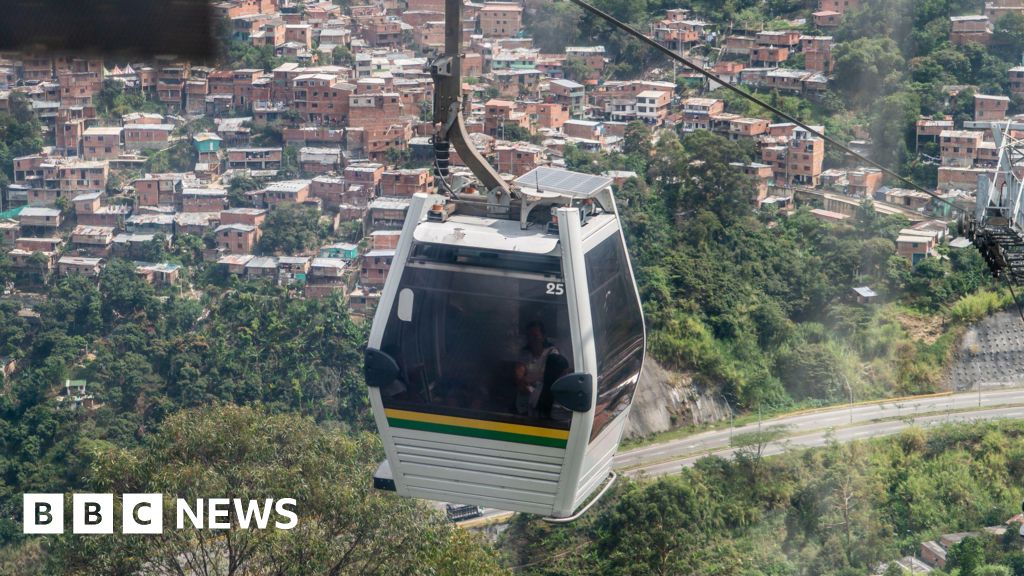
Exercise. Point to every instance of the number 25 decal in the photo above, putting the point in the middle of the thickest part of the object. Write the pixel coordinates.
(556, 288)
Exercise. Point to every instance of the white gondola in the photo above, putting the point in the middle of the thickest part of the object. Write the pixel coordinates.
(507, 345)
(469, 302)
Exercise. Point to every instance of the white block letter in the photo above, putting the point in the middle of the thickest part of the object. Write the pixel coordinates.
(92, 514)
(142, 513)
(196, 517)
(293, 519)
(219, 508)
(43, 513)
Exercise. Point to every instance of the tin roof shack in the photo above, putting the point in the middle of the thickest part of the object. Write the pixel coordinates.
(139, 246)
(326, 275)
(139, 137)
(407, 182)
(251, 216)
(74, 396)
(698, 112)
(292, 269)
(36, 218)
(254, 158)
(165, 273)
(864, 294)
(203, 199)
(235, 263)
(90, 267)
(570, 94)
(990, 108)
(385, 213)
(331, 190)
(376, 265)
(319, 160)
(261, 267)
(9, 231)
(195, 223)
(910, 199)
(367, 174)
(972, 28)
(1017, 80)
(89, 210)
(95, 241)
(150, 223)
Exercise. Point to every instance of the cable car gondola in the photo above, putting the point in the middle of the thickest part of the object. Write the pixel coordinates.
(507, 345)
(502, 361)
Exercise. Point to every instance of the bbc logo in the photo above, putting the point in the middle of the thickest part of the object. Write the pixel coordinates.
(144, 513)
(93, 513)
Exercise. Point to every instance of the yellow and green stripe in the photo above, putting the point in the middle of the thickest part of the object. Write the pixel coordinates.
(491, 430)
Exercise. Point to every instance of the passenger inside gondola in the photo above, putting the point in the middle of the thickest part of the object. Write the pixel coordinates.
(529, 367)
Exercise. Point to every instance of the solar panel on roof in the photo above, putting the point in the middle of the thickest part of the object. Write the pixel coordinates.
(563, 181)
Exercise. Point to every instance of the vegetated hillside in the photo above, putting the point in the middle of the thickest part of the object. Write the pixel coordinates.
(146, 357)
(837, 510)
(343, 526)
(761, 304)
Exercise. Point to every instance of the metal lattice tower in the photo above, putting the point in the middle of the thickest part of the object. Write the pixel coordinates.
(997, 225)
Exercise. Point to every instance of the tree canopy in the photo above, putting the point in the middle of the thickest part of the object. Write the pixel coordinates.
(344, 526)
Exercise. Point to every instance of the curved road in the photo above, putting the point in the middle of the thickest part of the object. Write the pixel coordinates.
(814, 428)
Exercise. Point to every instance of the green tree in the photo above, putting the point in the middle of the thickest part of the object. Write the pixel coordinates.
(342, 56)
(238, 187)
(577, 69)
(1008, 37)
(290, 229)
(892, 125)
(249, 454)
(867, 66)
(124, 292)
(20, 132)
(513, 132)
(179, 157)
(663, 528)
(637, 140)
(968, 556)
(993, 570)
(552, 25)
(154, 250)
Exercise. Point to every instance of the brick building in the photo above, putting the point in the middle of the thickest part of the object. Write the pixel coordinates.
(500, 19)
(407, 182)
(158, 190)
(236, 238)
(988, 108)
(101, 142)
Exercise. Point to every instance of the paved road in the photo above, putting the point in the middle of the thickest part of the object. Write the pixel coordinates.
(812, 429)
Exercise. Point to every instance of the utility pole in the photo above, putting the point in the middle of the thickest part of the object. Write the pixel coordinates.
(850, 390)
(731, 413)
